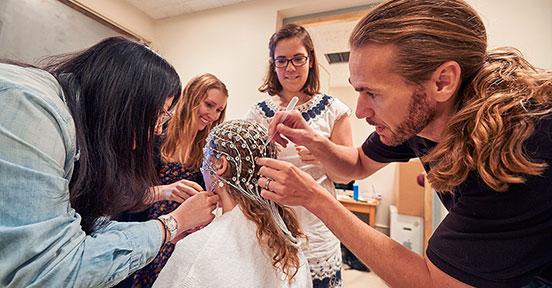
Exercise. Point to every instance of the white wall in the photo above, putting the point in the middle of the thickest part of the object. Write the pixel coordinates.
(232, 43)
(525, 25)
(122, 14)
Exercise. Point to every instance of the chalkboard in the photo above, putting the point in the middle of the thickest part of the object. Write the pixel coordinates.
(33, 29)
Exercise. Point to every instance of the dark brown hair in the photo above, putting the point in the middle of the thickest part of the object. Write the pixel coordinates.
(115, 91)
(271, 84)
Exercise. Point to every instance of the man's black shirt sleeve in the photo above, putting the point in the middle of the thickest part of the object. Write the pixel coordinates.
(379, 152)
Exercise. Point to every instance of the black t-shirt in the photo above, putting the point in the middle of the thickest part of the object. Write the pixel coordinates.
(489, 239)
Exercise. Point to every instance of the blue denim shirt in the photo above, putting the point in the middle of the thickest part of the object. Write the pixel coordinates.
(41, 241)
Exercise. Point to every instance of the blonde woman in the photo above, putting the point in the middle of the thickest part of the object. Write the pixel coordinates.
(201, 107)
(255, 243)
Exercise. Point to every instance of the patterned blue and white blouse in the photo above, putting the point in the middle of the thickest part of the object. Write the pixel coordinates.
(323, 249)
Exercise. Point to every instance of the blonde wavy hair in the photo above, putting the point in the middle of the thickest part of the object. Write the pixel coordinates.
(500, 99)
(283, 253)
(183, 142)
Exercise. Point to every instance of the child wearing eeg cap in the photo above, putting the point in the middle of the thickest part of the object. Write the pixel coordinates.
(255, 243)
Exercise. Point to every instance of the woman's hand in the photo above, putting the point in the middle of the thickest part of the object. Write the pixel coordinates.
(293, 126)
(196, 211)
(287, 184)
(305, 155)
(178, 191)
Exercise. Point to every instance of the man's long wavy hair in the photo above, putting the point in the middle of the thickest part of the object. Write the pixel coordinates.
(272, 239)
(500, 98)
(183, 142)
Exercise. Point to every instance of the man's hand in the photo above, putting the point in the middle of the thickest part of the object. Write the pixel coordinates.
(287, 184)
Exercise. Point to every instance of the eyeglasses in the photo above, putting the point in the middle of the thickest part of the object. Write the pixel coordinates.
(165, 117)
(297, 61)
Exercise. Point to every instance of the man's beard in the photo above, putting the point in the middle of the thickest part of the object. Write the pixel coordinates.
(420, 112)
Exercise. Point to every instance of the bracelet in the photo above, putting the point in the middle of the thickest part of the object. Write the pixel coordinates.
(171, 225)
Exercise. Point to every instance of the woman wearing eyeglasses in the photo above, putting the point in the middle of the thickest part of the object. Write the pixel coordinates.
(181, 133)
(293, 71)
(76, 151)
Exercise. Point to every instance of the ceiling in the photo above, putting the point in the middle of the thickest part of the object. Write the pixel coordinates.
(159, 9)
(329, 30)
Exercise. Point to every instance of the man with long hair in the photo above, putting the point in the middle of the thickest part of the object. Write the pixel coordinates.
(479, 120)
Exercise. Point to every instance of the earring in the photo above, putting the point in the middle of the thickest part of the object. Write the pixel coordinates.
(221, 184)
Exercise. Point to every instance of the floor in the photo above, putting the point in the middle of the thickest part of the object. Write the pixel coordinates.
(356, 279)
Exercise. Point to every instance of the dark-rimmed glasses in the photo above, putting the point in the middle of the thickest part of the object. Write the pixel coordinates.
(297, 61)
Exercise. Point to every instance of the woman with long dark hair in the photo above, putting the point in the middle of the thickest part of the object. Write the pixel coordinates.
(77, 150)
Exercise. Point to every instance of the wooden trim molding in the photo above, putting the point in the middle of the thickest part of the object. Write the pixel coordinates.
(351, 16)
(75, 4)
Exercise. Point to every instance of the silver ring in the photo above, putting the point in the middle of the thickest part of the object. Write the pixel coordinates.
(267, 184)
